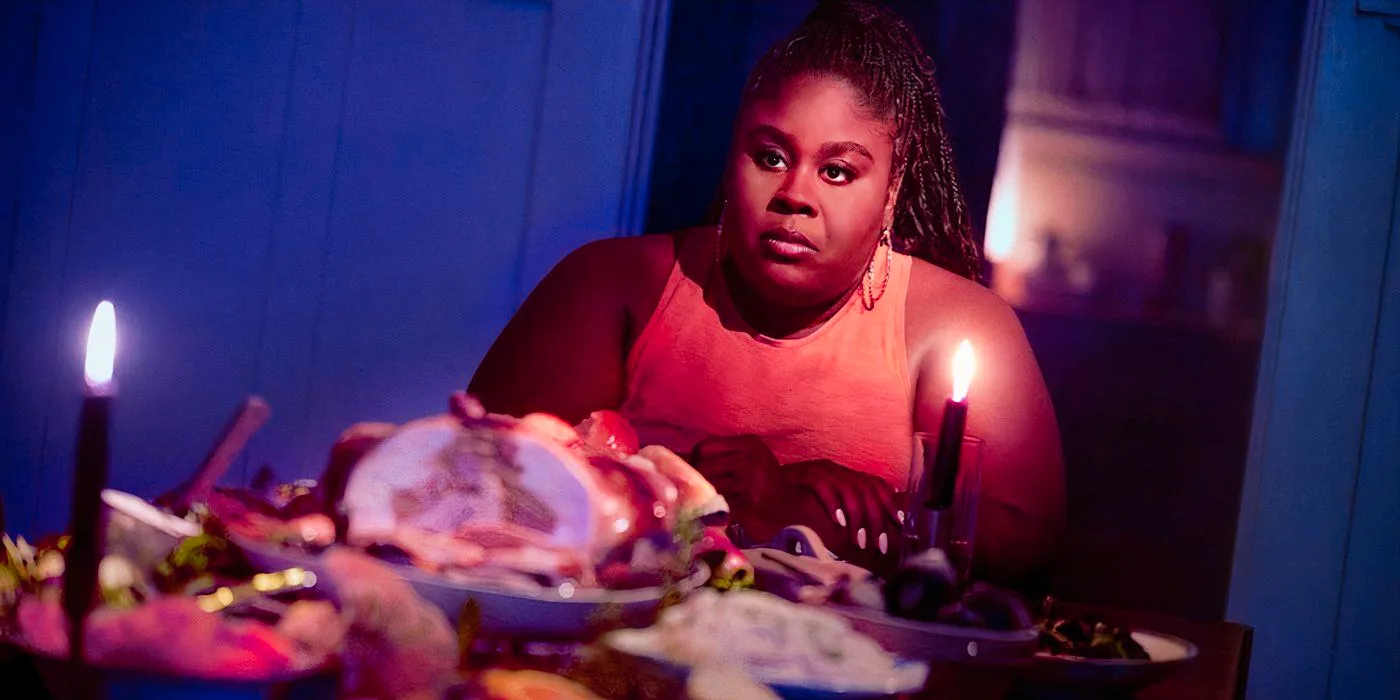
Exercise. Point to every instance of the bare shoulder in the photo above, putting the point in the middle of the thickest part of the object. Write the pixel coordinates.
(563, 351)
(630, 269)
(626, 255)
(942, 305)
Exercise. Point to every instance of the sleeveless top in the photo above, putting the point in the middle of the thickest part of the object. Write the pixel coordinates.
(841, 393)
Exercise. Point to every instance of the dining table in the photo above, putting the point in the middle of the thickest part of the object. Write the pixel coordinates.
(1219, 671)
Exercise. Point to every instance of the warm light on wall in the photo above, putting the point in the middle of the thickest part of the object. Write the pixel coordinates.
(1002, 217)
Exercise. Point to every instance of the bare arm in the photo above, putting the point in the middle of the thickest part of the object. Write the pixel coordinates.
(564, 351)
(1021, 511)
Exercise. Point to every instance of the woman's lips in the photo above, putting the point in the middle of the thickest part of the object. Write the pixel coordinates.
(787, 245)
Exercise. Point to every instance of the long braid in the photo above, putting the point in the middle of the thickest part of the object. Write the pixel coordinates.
(877, 53)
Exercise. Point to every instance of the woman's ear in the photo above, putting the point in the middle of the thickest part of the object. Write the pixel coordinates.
(892, 198)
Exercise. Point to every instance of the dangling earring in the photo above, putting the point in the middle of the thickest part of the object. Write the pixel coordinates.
(868, 295)
(719, 234)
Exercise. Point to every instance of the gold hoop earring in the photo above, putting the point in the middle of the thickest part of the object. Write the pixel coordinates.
(868, 295)
(719, 234)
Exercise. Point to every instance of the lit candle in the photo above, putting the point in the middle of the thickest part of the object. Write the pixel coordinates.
(930, 526)
(85, 544)
(950, 435)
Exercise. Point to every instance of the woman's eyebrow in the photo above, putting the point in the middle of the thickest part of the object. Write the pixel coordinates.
(783, 138)
(828, 150)
(841, 148)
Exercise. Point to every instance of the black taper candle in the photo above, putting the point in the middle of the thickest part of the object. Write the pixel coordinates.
(85, 526)
(944, 473)
(86, 521)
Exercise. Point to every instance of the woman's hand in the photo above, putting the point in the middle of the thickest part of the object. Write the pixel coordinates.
(854, 513)
(861, 505)
(737, 466)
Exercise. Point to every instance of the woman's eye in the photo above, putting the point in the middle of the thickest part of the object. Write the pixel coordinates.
(771, 160)
(836, 174)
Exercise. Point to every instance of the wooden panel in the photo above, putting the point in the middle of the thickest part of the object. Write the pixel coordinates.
(325, 202)
(19, 28)
(170, 219)
(1318, 352)
(428, 205)
(1390, 8)
(1368, 625)
(582, 179)
(300, 231)
(39, 346)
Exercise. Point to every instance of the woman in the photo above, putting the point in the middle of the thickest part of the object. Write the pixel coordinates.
(794, 347)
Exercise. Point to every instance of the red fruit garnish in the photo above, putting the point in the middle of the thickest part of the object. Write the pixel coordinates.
(610, 431)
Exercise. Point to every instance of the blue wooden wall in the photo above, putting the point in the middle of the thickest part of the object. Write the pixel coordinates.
(1317, 555)
(336, 204)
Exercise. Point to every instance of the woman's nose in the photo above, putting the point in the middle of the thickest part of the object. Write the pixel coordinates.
(791, 200)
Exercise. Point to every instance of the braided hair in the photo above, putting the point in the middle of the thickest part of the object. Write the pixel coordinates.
(876, 52)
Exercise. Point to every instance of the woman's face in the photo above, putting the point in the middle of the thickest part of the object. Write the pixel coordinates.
(808, 189)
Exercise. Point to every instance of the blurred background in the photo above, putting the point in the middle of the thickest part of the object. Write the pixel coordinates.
(1123, 159)
(338, 204)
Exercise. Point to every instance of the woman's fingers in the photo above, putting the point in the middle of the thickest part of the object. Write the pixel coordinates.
(861, 506)
(871, 518)
(835, 503)
(869, 505)
(844, 510)
(888, 503)
(830, 500)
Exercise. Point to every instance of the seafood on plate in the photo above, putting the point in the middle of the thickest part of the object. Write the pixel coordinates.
(1085, 637)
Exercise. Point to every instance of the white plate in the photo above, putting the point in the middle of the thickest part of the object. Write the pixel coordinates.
(907, 677)
(545, 614)
(1168, 655)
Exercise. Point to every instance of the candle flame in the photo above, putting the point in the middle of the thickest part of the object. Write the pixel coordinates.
(101, 346)
(964, 366)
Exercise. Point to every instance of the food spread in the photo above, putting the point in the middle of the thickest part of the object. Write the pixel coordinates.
(514, 507)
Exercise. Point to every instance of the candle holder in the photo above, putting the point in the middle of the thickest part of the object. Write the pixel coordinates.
(949, 527)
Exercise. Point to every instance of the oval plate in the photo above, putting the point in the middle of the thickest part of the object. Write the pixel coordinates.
(1168, 654)
(929, 641)
(509, 613)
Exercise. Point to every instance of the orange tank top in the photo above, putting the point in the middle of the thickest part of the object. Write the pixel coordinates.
(842, 393)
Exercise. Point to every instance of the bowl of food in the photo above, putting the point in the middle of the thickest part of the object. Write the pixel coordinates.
(142, 533)
(919, 612)
(1082, 653)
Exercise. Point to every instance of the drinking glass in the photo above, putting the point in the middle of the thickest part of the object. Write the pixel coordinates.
(963, 527)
